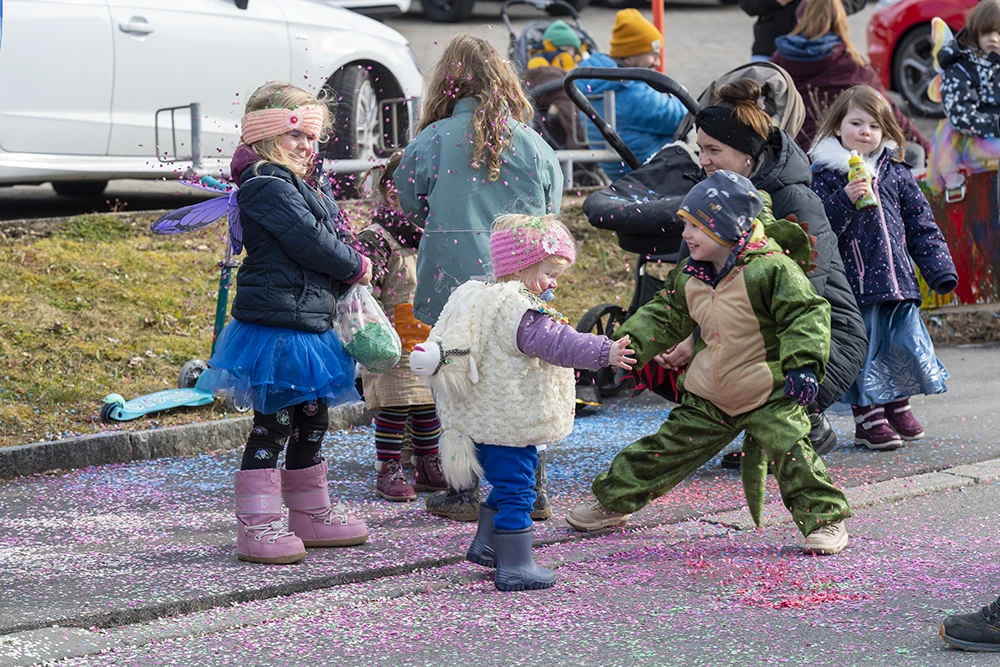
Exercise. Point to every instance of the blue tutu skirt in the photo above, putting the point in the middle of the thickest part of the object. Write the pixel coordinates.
(274, 367)
(900, 361)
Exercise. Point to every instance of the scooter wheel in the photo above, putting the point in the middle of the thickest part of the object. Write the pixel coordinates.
(190, 372)
(232, 405)
(106, 412)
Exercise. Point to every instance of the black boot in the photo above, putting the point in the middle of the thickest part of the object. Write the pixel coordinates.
(821, 435)
(542, 509)
(481, 550)
(516, 569)
(455, 505)
(974, 632)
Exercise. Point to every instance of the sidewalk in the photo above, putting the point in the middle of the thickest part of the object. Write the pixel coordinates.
(119, 544)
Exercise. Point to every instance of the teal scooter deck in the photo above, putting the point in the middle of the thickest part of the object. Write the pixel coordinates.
(116, 408)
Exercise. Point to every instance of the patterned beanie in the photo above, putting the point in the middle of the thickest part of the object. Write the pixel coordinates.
(724, 206)
(633, 35)
(516, 248)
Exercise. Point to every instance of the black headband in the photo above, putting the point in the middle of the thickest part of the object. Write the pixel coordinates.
(721, 123)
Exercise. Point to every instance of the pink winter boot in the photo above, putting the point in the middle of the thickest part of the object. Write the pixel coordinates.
(310, 514)
(873, 430)
(260, 537)
(902, 420)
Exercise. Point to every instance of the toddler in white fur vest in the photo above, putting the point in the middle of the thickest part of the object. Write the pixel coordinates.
(500, 363)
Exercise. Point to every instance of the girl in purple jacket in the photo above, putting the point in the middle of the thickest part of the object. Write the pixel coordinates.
(500, 362)
(879, 246)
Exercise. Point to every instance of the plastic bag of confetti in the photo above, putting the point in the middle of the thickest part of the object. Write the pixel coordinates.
(365, 331)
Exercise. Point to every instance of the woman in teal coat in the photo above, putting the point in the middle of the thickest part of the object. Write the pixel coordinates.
(475, 158)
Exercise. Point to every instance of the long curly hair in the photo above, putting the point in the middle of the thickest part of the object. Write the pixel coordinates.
(471, 67)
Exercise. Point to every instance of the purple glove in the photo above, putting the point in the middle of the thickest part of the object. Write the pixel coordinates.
(801, 386)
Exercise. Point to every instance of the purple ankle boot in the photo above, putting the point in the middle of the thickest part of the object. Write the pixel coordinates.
(901, 418)
(873, 430)
(261, 537)
(310, 513)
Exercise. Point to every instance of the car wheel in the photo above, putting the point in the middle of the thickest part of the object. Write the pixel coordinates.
(355, 105)
(448, 11)
(556, 10)
(79, 188)
(913, 69)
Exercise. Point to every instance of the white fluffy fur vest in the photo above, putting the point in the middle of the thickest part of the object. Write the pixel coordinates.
(495, 394)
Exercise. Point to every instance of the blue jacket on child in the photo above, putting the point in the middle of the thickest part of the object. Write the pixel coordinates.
(645, 119)
(297, 257)
(876, 245)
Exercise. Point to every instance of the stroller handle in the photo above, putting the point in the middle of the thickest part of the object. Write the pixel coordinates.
(655, 80)
(540, 5)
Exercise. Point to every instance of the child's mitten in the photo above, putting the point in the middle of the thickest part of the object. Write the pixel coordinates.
(801, 386)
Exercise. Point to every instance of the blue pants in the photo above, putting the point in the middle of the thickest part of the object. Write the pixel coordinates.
(511, 471)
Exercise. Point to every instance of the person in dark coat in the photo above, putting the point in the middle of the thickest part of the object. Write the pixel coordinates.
(737, 135)
(776, 18)
(823, 62)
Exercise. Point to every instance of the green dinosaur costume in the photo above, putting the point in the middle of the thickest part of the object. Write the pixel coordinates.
(761, 320)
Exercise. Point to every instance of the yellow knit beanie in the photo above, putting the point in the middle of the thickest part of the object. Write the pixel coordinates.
(632, 35)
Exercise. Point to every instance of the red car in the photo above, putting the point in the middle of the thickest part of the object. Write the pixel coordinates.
(899, 45)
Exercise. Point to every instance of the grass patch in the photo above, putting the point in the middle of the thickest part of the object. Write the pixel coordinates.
(97, 305)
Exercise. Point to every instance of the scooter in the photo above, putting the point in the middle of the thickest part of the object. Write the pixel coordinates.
(188, 394)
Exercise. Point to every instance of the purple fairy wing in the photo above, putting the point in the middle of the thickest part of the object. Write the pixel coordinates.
(191, 218)
(235, 228)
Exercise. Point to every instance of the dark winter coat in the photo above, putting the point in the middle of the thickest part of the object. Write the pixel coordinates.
(297, 253)
(970, 89)
(784, 173)
(822, 69)
(775, 20)
(876, 245)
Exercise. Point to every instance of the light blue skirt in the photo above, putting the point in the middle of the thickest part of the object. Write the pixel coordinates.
(274, 367)
(900, 361)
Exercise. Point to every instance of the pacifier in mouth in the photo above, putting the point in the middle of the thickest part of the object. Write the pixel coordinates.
(547, 295)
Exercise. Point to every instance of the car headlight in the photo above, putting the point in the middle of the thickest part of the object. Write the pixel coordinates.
(884, 4)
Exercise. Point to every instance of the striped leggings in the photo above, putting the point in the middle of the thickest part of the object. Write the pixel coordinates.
(425, 429)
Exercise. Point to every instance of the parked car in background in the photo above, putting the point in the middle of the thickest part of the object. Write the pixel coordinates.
(899, 45)
(88, 84)
(376, 9)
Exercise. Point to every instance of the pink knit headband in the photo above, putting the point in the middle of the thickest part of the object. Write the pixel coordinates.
(265, 123)
(512, 250)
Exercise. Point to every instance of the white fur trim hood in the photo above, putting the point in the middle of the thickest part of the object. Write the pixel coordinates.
(831, 154)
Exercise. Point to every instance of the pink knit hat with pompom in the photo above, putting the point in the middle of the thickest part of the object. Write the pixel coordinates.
(513, 250)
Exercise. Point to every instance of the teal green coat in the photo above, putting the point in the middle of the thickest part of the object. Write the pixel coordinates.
(456, 204)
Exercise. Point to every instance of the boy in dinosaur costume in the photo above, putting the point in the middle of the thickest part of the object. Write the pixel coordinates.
(765, 340)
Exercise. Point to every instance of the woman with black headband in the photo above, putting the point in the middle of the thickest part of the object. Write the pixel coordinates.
(737, 135)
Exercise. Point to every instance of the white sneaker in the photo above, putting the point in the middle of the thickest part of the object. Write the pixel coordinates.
(594, 516)
(827, 540)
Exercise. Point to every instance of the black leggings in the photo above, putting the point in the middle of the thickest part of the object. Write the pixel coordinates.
(301, 427)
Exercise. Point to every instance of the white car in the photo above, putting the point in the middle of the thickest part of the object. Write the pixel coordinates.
(86, 86)
(375, 8)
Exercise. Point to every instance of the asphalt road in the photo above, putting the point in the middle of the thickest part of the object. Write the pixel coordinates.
(703, 41)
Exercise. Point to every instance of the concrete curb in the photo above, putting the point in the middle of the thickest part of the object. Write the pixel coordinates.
(127, 446)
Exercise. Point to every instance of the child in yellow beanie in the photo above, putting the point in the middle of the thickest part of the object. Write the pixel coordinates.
(635, 41)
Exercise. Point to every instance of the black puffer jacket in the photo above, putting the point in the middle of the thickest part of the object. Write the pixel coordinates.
(970, 88)
(785, 174)
(775, 20)
(297, 254)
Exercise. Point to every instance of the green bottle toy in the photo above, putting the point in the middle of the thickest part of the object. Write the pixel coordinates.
(857, 170)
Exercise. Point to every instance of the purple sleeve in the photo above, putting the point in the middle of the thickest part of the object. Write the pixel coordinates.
(538, 335)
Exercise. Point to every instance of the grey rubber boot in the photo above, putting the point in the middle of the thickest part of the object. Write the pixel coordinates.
(481, 550)
(542, 509)
(516, 569)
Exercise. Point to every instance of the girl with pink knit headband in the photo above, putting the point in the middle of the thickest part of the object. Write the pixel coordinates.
(279, 349)
(500, 362)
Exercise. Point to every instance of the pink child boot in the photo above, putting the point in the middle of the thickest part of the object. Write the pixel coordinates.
(260, 537)
(873, 430)
(310, 514)
(901, 418)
